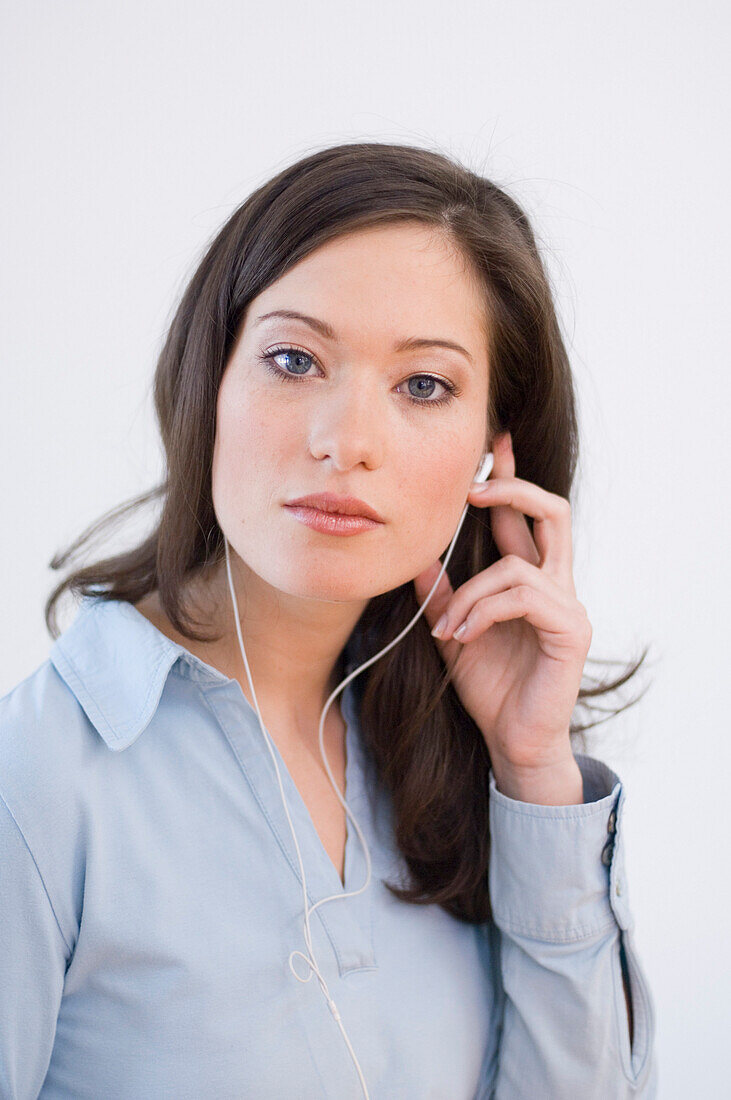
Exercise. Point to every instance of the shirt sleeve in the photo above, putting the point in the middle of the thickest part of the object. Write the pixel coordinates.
(559, 898)
(33, 957)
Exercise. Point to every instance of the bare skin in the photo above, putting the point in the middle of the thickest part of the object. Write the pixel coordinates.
(348, 413)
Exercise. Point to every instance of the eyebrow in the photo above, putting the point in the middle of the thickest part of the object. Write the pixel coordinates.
(329, 333)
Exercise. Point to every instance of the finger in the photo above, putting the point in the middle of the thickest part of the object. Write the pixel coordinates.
(507, 573)
(565, 627)
(509, 528)
(551, 516)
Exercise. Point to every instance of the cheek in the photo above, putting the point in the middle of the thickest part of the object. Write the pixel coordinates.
(432, 499)
(440, 469)
(246, 451)
(235, 475)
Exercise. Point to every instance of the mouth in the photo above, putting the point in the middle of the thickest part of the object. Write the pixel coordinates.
(331, 515)
(332, 504)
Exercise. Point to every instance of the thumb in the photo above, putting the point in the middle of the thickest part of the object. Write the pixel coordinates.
(440, 598)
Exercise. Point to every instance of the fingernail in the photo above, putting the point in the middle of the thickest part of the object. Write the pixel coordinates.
(440, 627)
(459, 631)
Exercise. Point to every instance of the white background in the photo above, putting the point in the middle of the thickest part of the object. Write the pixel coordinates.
(131, 131)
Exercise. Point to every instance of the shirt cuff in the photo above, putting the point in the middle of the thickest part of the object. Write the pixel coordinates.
(557, 872)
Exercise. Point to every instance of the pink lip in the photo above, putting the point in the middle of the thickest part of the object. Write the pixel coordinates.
(340, 505)
(331, 523)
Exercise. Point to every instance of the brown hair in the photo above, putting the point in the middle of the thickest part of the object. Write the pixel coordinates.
(425, 748)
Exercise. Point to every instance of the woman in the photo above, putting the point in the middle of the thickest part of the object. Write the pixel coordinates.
(369, 324)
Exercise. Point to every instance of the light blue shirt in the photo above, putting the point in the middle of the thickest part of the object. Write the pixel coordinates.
(150, 897)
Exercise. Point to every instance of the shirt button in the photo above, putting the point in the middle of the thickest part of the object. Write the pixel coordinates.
(618, 888)
(612, 822)
(607, 851)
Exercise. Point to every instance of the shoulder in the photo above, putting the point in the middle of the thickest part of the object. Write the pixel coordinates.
(44, 733)
(47, 745)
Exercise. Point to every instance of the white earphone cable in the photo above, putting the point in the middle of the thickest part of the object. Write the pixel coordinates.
(310, 958)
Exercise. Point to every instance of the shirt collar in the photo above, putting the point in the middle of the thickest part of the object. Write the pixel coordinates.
(116, 663)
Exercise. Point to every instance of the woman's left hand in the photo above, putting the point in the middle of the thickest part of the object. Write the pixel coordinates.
(518, 664)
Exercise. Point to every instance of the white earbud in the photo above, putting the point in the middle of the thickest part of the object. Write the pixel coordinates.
(485, 466)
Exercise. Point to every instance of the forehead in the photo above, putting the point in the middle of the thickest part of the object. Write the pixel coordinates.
(391, 276)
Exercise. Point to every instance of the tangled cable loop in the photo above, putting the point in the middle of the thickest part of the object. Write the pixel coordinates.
(314, 970)
(310, 963)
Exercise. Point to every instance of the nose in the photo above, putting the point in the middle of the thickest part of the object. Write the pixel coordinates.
(349, 424)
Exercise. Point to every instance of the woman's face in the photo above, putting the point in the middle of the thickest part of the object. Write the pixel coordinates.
(350, 412)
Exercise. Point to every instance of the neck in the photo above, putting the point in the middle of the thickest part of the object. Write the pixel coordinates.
(293, 645)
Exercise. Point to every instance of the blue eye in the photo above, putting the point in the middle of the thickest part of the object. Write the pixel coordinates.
(424, 378)
(297, 355)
